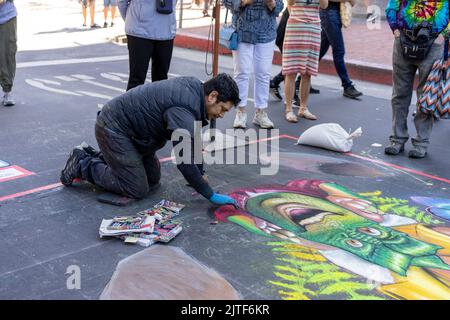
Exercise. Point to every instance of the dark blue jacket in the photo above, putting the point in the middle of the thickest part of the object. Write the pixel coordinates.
(148, 114)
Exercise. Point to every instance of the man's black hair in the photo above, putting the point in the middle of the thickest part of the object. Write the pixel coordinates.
(225, 85)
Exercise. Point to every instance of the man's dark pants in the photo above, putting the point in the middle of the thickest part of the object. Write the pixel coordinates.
(140, 52)
(120, 168)
(404, 71)
(332, 35)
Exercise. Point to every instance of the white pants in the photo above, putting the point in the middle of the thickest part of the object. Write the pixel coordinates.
(259, 56)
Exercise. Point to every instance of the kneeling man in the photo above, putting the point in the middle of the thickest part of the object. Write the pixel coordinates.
(132, 127)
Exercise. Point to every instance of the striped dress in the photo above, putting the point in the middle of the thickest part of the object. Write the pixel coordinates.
(301, 46)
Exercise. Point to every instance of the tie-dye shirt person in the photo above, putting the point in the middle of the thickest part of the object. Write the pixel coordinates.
(403, 14)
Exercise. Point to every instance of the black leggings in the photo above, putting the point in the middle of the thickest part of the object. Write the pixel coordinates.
(140, 52)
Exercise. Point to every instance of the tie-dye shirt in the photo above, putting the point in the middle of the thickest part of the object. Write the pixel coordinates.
(403, 14)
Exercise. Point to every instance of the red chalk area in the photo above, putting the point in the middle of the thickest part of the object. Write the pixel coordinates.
(31, 191)
(283, 136)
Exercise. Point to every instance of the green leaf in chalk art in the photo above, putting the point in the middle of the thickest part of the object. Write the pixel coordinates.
(304, 274)
(400, 207)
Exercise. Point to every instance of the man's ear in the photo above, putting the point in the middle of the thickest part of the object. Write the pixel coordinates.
(212, 96)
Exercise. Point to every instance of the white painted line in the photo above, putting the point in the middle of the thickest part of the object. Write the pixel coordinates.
(113, 77)
(48, 81)
(65, 78)
(42, 86)
(123, 75)
(9, 173)
(83, 77)
(13, 172)
(94, 83)
(44, 63)
(95, 95)
(3, 164)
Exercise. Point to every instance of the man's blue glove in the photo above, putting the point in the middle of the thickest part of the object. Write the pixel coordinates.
(223, 199)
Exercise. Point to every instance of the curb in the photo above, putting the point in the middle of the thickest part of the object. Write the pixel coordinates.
(359, 70)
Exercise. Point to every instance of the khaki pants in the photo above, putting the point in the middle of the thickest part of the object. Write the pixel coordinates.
(404, 71)
(8, 49)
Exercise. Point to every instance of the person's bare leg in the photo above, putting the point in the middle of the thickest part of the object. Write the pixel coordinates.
(92, 11)
(105, 13)
(289, 90)
(84, 13)
(305, 85)
(113, 13)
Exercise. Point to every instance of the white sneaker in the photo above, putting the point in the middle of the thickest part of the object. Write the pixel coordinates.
(262, 119)
(241, 120)
(8, 101)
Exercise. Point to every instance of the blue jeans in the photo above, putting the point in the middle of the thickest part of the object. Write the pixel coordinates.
(332, 35)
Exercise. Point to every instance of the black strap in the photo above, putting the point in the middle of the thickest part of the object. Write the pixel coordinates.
(446, 50)
(226, 16)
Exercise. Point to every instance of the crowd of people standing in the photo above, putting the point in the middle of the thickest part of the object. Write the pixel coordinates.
(306, 31)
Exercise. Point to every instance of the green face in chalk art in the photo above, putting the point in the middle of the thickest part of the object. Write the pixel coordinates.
(321, 221)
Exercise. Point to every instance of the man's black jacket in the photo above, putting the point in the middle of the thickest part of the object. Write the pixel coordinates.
(148, 114)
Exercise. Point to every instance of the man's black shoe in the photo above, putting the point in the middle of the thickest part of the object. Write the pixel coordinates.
(275, 90)
(296, 101)
(394, 149)
(314, 90)
(352, 93)
(72, 168)
(417, 153)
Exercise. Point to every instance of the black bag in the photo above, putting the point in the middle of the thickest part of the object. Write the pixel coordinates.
(281, 29)
(164, 6)
(414, 50)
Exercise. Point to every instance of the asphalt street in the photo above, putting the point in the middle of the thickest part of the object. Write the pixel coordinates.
(44, 228)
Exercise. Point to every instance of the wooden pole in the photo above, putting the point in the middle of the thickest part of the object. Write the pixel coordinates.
(216, 16)
(216, 38)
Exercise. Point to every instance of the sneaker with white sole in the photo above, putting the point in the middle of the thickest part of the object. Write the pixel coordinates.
(262, 119)
(8, 101)
(241, 120)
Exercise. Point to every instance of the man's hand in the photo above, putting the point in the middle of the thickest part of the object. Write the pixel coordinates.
(271, 4)
(223, 199)
(397, 33)
(246, 3)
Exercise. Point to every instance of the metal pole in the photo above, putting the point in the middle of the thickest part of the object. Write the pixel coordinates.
(216, 16)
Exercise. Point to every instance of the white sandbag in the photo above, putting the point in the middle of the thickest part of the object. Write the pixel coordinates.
(329, 136)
